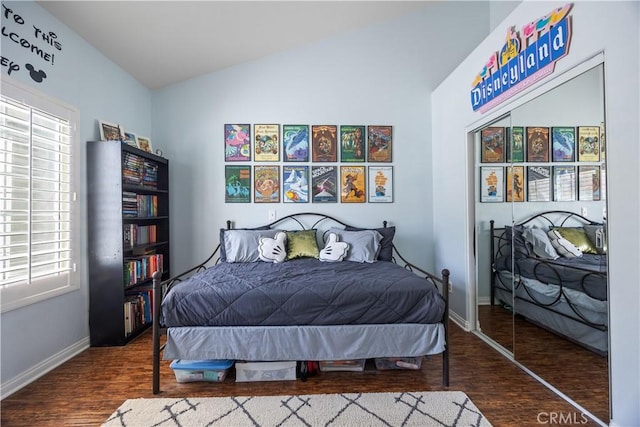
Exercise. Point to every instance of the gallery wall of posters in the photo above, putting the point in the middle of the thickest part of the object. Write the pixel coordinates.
(541, 164)
(338, 171)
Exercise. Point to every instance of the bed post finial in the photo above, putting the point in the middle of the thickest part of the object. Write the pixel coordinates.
(384, 223)
(228, 224)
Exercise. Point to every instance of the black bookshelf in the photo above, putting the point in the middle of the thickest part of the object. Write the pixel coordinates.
(128, 238)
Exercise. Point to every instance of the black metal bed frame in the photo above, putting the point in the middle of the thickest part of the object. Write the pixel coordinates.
(500, 243)
(160, 288)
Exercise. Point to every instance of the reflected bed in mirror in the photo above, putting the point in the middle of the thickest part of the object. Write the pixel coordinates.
(548, 309)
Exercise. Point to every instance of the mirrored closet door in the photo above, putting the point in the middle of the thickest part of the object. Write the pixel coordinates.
(541, 260)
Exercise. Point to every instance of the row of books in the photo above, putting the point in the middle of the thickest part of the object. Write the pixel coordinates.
(139, 269)
(138, 310)
(139, 205)
(138, 171)
(134, 234)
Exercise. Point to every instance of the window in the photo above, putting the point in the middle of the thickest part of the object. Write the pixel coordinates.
(37, 197)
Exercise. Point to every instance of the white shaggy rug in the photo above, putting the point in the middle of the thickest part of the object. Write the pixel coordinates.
(423, 409)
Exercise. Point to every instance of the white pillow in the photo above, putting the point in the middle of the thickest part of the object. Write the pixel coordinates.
(363, 245)
(563, 246)
(333, 250)
(273, 249)
(540, 242)
(242, 245)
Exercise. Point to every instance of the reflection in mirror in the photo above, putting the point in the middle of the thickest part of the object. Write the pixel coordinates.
(560, 305)
(494, 314)
(541, 250)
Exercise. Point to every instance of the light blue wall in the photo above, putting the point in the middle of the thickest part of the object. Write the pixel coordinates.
(383, 74)
(38, 336)
(597, 27)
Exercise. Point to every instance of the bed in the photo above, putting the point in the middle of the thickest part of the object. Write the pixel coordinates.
(557, 263)
(307, 287)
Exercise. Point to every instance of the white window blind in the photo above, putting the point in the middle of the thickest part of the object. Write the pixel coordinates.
(36, 200)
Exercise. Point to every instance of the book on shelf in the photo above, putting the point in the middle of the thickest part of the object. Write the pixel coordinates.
(138, 309)
(139, 172)
(141, 268)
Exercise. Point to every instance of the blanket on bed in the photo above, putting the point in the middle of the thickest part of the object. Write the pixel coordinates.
(302, 292)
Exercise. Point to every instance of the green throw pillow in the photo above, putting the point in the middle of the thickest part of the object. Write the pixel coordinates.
(302, 244)
(579, 238)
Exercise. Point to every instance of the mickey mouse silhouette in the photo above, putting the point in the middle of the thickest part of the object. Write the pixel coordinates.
(37, 76)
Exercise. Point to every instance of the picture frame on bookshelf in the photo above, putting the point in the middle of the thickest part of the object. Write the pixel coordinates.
(491, 184)
(539, 183)
(379, 143)
(563, 143)
(130, 138)
(589, 178)
(266, 146)
(110, 131)
(492, 144)
(237, 184)
(352, 143)
(380, 184)
(324, 184)
(237, 142)
(324, 143)
(266, 184)
(353, 184)
(588, 143)
(516, 145)
(537, 144)
(564, 183)
(295, 184)
(515, 184)
(144, 144)
(295, 143)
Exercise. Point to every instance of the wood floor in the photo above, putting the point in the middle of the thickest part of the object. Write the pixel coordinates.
(88, 388)
(580, 374)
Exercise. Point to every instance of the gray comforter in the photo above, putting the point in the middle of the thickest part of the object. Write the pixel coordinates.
(302, 292)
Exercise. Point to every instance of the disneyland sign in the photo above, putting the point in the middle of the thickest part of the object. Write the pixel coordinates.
(527, 56)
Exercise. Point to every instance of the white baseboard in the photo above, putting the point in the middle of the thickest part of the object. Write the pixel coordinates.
(458, 320)
(484, 300)
(30, 375)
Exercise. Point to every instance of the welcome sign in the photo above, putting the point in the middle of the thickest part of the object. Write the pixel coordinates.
(526, 57)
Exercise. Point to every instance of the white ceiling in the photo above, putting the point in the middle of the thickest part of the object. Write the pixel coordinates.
(164, 42)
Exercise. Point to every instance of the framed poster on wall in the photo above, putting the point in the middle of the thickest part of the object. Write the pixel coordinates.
(266, 145)
(266, 184)
(237, 184)
(379, 144)
(491, 184)
(237, 143)
(492, 145)
(352, 184)
(324, 184)
(380, 184)
(295, 184)
(539, 183)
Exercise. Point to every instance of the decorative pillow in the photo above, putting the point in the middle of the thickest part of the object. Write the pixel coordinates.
(273, 249)
(333, 250)
(514, 234)
(364, 245)
(540, 243)
(302, 244)
(386, 244)
(578, 237)
(563, 246)
(591, 230)
(223, 231)
(242, 245)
